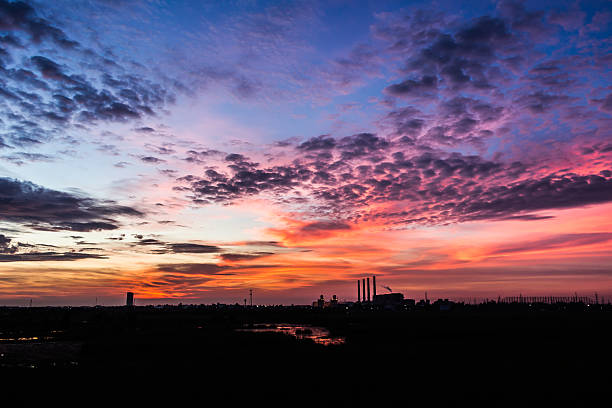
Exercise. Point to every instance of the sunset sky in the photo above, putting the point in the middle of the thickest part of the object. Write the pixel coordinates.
(189, 151)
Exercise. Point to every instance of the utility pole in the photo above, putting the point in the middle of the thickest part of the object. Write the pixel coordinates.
(251, 296)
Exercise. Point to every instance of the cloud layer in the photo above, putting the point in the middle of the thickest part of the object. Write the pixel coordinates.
(468, 88)
(45, 209)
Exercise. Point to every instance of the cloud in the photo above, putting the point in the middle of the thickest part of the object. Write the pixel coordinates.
(41, 208)
(19, 16)
(52, 80)
(560, 241)
(456, 59)
(11, 251)
(362, 144)
(145, 129)
(237, 257)
(193, 268)
(551, 192)
(321, 226)
(160, 149)
(489, 142)
(21, 158)
(606, 103)
(152, 160)
(176, 247)
(299, 231)
(432, 187)
(485, 79)
(194, 248)
(323, 142)
(5, 245)
(48, 256)
(421, 87)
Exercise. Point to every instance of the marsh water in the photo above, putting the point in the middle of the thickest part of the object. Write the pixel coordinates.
(319, 335)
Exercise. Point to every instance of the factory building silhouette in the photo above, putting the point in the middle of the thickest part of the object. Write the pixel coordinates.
(389, 301)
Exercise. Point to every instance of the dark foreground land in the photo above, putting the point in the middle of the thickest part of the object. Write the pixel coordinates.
(492, 337)
(569, 347)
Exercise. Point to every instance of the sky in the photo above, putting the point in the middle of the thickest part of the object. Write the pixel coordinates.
(191, 151)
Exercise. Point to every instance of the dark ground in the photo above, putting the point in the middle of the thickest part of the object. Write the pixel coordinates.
(490, 352)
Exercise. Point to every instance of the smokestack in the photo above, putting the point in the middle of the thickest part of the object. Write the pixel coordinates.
(358, 291)
(368, 289)
(374, 286)
(363, 289)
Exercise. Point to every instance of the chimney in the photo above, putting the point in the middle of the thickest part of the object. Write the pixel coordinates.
(363, 289)
(368, 289)
(358, 291)
(374, 286)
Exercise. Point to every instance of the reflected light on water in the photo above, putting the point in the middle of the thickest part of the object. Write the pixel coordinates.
(319, 335)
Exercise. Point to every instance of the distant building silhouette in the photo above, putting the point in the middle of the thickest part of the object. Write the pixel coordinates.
(321, 303)
(443, 304)
(130, 299)
(390, 301)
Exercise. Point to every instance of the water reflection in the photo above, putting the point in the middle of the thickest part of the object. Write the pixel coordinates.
(15, 339)
(19, 337)
(319, 335)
